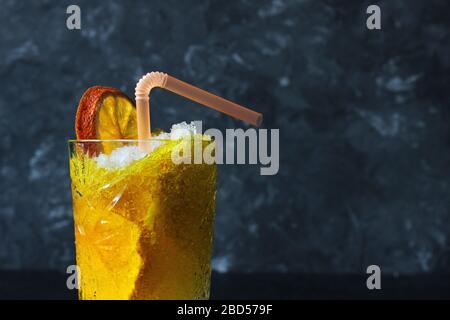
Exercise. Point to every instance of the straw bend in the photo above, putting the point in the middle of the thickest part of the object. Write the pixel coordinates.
(148, 82)
(142, 92)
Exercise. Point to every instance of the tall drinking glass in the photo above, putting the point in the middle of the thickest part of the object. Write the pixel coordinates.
(143, 224)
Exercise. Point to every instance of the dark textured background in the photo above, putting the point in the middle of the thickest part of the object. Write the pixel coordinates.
(363, 118)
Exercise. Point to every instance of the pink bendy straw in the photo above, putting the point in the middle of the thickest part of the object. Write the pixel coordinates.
(162, 80)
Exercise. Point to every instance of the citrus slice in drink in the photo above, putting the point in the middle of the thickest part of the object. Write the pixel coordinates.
(107, 254)
(107, 242)
(105, 113)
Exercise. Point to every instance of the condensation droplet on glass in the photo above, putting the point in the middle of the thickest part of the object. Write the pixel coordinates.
(115, 199)
(81, 229)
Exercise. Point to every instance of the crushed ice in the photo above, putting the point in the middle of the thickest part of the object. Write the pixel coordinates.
(126, 155)
(120, 157)
(183, 129)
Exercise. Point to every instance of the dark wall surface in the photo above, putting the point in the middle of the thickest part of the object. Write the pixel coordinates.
(363, 117)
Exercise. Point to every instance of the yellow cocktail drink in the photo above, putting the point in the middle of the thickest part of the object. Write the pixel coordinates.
(143, 224)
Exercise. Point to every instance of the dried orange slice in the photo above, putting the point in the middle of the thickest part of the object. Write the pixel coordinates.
(105, 113)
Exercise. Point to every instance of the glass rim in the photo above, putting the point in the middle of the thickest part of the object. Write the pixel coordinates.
(114, 140)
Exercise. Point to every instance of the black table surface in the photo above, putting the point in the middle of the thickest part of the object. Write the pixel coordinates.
(52, 285)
